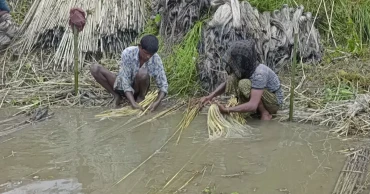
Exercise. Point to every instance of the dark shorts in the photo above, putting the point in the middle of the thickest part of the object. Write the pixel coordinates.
(136, 94)
(122, 94)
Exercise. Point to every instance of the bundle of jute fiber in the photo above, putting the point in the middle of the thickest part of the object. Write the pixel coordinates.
(190, 113)
(273, 33)
(127, 111)
(178, 17)
(233, 101)
(110, 27)
(115, 131)
(229, 127)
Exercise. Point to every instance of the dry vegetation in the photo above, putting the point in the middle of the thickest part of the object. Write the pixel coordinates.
(333, 94)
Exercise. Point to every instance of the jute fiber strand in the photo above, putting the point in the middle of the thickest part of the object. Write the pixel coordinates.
(128, 111)
(227, 127)
(273, 31)
(233, 101)
(189, 115)
(344, 117)
(110, 27)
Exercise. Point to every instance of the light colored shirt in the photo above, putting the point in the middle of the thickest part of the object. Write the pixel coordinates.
(130, 65)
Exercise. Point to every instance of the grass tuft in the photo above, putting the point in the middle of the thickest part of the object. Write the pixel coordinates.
(180, 65)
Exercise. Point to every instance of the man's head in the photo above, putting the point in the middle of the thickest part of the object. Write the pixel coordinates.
(148, 47)
(241, 58)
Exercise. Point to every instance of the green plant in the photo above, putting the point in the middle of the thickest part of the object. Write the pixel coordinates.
(180, 65)
(342, 92)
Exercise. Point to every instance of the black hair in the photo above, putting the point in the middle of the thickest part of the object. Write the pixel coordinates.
(149, 43)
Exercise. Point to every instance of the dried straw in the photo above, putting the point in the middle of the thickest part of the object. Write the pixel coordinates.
(229, 127)
(346, 117)
(352, 177)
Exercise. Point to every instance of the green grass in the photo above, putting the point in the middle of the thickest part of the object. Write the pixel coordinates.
(19, 9)
(180, 65)
(180, 62)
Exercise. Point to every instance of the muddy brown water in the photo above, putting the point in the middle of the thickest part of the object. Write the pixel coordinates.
(75, 153)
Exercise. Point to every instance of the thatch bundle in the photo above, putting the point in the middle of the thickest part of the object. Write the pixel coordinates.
(273, 32)
(352, 178)
(178, 17)
(110, 27)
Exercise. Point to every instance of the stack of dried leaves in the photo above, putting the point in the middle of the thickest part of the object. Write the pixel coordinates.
(273, 31)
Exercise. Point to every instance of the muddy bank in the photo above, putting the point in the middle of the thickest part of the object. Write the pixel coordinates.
(75, 153)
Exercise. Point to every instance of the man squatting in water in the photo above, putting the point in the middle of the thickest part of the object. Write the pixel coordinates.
(138, 64)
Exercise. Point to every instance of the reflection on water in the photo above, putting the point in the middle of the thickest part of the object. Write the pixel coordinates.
(76, 153)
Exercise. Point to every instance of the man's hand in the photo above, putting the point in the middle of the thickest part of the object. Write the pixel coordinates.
(137, 106)
(222, 108)
(205, 100)
(154, 106)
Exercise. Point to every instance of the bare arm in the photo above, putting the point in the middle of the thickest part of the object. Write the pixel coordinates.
(160, 96)
(162, 84)
(219, 90)
(250, 106)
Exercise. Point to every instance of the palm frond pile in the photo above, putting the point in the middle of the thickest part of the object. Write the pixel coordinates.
(178, 17)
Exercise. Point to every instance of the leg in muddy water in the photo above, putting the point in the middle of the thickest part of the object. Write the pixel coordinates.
(105, 78)
(141, 85)
(268, 104)
(265, 115)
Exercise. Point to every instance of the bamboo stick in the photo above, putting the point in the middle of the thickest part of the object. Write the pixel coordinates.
(75, 46)
(291, 106)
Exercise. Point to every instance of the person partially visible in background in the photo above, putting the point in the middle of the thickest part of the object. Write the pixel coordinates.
(256, 84)
(8, 28)
(4, 6)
